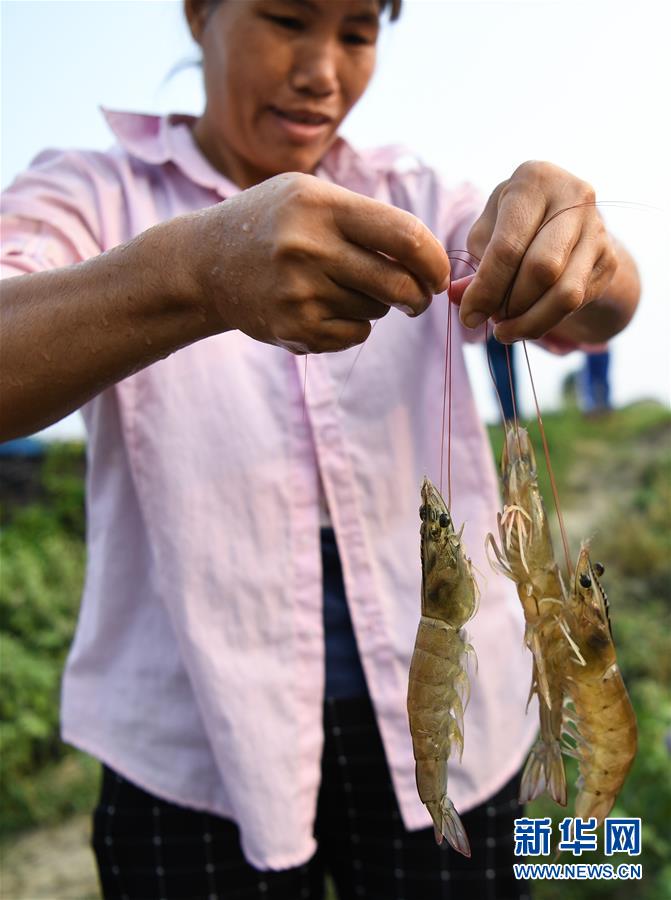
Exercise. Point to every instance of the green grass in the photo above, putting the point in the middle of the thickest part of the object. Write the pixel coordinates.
(614, 477)
(577, 445)
(620, 467)
(42, 552)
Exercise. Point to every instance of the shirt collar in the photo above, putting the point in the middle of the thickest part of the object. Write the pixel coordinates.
(168, 139)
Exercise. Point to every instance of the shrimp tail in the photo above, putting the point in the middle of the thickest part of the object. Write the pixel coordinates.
(533, 782)
(448, 825)
(544, 771)
(556, 775)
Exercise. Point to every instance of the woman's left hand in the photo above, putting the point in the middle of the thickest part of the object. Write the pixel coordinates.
(552, 273)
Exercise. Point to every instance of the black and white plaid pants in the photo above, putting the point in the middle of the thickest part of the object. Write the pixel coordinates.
(148, 848)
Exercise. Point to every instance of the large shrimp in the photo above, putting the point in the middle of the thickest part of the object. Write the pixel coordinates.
(602, 722)
(527, 557)
(438, 685)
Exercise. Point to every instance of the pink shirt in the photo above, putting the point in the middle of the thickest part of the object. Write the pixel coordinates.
(197, 668)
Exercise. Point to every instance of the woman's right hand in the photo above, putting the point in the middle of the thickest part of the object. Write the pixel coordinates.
(293, 261)
(305, 265)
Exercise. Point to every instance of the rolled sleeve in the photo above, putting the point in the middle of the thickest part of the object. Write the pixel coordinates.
(562, 347)
(49, 215)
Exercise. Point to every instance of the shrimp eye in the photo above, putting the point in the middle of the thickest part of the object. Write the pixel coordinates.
(585, 581)
(444, 520)
(422, 513)
(599, 569)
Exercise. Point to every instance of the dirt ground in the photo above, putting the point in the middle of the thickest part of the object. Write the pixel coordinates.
(50, 864)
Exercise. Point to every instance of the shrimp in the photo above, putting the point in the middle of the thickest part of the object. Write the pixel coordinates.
(602, 722)
(438, 683)
(527, 557)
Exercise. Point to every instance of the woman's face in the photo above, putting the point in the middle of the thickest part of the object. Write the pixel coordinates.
(280, 76)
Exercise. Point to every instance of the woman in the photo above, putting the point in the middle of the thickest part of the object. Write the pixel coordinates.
(214, 620)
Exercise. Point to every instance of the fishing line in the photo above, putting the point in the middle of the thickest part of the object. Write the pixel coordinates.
(469, 259)
(504, 307)
(447, 392)
(509, 367)
(539, 418)
(449, 409)
(548, 464)
(447, 380)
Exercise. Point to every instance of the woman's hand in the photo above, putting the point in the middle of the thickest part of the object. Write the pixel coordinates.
(293, 261)
(551, 275)
(306, 265)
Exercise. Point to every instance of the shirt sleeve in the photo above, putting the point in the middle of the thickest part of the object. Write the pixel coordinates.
(448, 212)
(562, 347)
(454, 212)
(451, 213)
(49, 215)
(463, 207)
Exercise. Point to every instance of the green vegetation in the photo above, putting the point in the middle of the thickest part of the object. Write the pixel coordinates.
(42, 554)
(614, 477)
(595, 456)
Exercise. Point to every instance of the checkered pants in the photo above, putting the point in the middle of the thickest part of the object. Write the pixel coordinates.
(147, 848)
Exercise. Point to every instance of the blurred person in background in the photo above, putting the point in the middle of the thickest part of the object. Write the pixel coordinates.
(594, 383)
(501, 361)
(252, 593)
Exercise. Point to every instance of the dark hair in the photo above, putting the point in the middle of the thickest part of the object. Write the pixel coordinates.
(394, 7)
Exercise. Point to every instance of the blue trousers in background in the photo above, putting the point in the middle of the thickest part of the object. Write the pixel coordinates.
(499, 364)
(594, 385)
